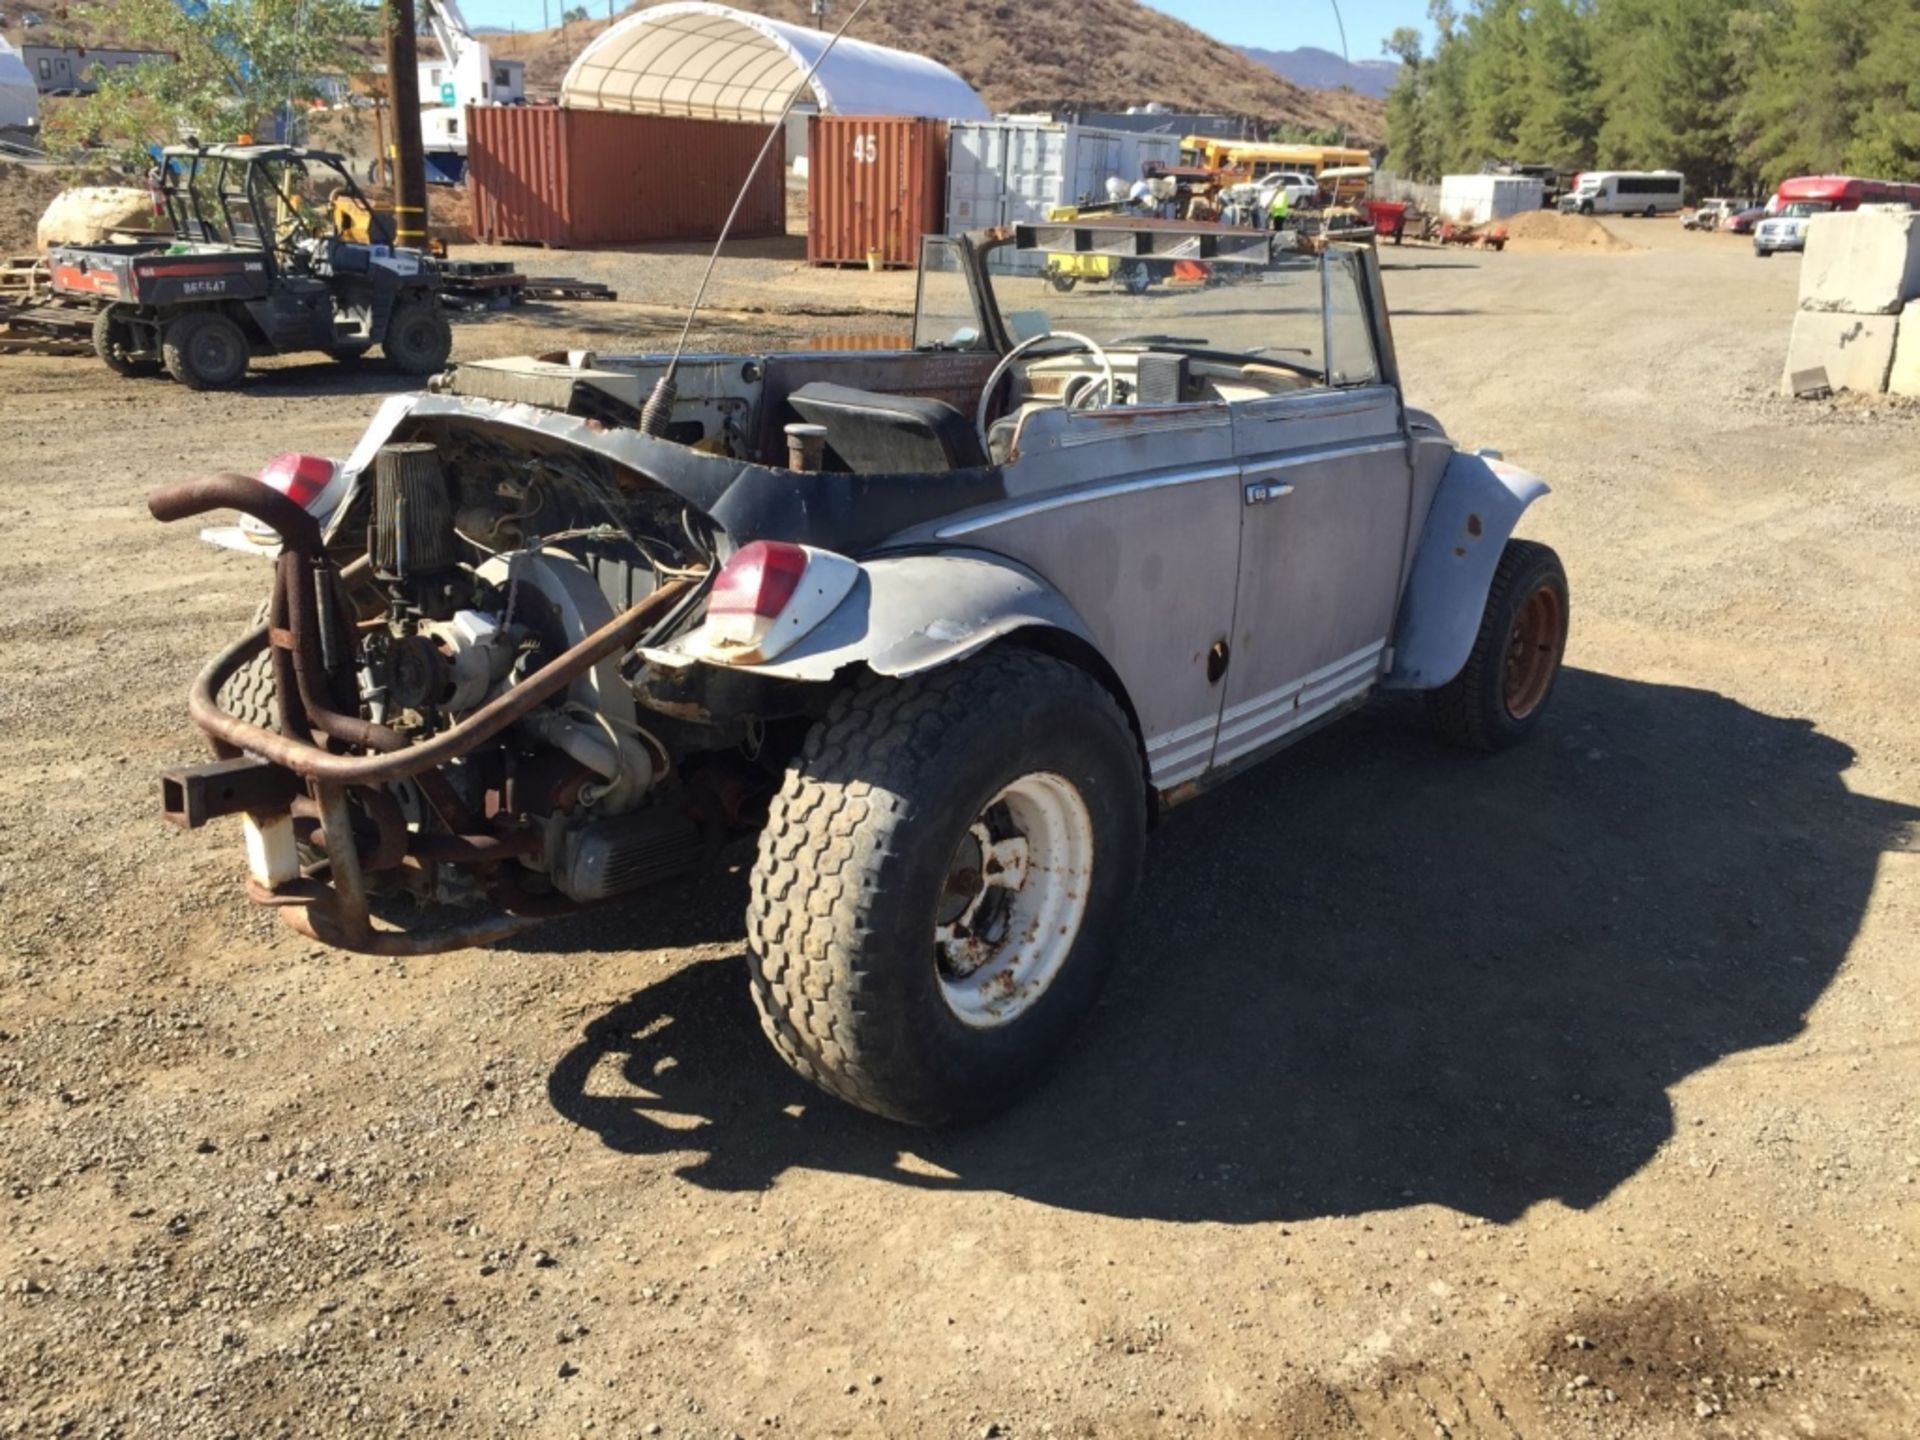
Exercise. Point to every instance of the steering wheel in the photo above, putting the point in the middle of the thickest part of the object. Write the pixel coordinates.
(1092, 347)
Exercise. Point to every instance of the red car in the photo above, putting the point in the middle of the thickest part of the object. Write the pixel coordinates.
(1744, 221)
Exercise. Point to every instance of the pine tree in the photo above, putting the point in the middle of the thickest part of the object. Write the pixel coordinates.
(1886, 137)
(1562, 114)
(1410, 151)
(1496, 78)
(1809, 97)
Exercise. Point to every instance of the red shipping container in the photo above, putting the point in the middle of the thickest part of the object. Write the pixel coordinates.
(578, 178)
(874, 182)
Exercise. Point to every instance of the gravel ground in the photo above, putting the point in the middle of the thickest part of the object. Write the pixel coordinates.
(1570, 1093)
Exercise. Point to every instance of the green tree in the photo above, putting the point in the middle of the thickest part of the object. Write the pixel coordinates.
(1734, 93)
(1561, 119)
(1411, 151)
(574, 16)
(230, 72)
(1304, 135)
(1445, 98)
(1886, 137)
(1495, 80)
(1816, 90)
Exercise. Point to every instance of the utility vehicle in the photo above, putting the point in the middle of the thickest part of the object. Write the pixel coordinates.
(258, 264)
(947, 627)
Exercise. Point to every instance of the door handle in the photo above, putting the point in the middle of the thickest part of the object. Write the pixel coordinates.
(1265, 492)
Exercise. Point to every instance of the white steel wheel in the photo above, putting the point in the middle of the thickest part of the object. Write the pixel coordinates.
(1014, 900)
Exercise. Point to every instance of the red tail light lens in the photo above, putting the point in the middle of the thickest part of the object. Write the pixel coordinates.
(301, 478)
(759, 580)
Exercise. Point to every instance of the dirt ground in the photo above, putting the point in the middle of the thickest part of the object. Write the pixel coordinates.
(1570, 1093)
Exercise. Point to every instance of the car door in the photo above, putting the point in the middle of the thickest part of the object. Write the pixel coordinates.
(1326, 484)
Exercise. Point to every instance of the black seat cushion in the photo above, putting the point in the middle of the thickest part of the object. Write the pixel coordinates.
(878, 434)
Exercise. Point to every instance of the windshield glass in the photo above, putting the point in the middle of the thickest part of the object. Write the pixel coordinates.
(1808, 207)
(946, 316)
(1273, 313)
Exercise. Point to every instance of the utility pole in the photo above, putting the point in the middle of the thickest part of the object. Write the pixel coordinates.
(403, 90)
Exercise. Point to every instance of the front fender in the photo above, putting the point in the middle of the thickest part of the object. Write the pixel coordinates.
(908, 614)
(1478, 504)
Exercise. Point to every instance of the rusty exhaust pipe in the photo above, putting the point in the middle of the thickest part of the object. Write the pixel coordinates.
(319, 765)
(230, 490)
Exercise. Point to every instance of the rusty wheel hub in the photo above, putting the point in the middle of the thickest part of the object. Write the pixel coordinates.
(1533, 652)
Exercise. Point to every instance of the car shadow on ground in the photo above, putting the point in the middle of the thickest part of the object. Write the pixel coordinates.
(1369, 974)
(329, 377)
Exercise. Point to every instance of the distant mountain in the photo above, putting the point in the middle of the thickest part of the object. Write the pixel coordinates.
(1318, 69)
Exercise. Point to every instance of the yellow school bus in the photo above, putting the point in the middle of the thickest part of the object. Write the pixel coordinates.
(1206, 151)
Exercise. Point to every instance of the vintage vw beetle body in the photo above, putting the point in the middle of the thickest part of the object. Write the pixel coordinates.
(946, 623)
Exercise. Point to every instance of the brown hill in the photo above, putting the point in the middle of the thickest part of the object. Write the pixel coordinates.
(1040, 55)
(1044, 55)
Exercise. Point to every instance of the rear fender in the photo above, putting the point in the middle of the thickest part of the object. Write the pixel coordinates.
(1478, 504)
(908, 614)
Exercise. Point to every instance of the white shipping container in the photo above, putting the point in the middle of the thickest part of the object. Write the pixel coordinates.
(1482, 199)
(1011, 172)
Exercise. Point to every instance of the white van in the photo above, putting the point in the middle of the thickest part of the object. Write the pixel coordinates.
(1626, 192)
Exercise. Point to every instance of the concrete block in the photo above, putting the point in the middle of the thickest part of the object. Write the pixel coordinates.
(1855, 350)
(1904, 379)
(1864, 263)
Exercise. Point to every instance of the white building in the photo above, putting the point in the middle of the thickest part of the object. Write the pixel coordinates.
(717, 63)
(506, 84)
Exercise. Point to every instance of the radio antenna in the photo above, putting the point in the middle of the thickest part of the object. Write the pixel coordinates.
(659, 407)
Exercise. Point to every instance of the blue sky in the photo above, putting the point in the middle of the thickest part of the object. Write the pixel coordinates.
(1272, 24)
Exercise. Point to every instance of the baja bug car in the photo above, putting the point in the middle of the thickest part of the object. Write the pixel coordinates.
(946, 626)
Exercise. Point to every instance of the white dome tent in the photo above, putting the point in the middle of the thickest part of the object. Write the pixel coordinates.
(716, 63)
(19, 96)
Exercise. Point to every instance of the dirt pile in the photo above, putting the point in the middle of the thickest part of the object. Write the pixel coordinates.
(1548, 231)
(25, 193)
(449, 210)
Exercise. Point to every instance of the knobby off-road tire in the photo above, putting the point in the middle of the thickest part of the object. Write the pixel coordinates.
(419, 339)
(249, 695)
(110, 344)
(1497, 699)
(858, 865)
(205, 350)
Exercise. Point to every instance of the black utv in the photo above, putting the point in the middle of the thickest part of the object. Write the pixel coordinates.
(257, 265)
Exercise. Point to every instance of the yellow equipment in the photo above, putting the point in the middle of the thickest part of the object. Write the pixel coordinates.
(1066, 270)
(353, 221)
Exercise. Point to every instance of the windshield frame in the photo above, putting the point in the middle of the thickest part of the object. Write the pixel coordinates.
(991, 333)
(972, 253)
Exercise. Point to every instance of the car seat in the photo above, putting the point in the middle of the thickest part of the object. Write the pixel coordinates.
(872, 433)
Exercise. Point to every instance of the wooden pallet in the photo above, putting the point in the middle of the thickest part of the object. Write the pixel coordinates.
(561, 287)
(24, 277)
(33, 320)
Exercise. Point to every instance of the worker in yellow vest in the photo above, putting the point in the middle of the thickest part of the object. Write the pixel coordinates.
(1278, 211)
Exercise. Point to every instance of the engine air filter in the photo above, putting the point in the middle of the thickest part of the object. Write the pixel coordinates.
(412, 514)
